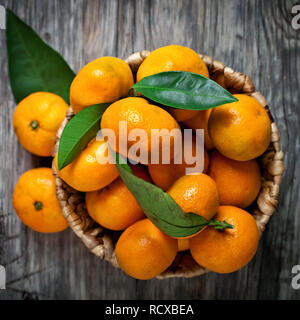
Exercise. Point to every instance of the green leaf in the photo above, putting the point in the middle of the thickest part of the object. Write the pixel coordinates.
(160, 208)
(183, 90)
(82, 128)
(32, 64)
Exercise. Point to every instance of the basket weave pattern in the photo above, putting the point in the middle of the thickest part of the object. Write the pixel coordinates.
(101, 241)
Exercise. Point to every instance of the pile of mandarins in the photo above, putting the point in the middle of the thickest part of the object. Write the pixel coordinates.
(235, 134)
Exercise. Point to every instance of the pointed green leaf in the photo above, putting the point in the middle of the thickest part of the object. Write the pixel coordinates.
(160, 208)
(32, 64)
(82, 128)
(183, 90)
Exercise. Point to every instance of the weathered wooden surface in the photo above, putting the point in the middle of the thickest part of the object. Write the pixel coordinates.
(255, 37)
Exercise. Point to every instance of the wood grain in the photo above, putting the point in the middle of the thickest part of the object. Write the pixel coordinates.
(254, 37)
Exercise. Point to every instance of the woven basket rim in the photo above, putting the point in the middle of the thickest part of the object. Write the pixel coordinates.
(100, 241)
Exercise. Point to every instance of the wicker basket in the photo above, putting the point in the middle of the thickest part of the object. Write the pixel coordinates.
(101, 241)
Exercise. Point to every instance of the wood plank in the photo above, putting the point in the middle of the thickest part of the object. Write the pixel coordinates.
(254, 37)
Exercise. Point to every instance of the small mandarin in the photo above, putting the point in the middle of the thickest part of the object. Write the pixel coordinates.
(240, 130)
(196, 193)
(36, 120)
(238, 182)
(172, 58)
(85, 173)
(228, 250)
(113, 207)
(35, 202)
(105, 79)
(143, 251)
(137, 113)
